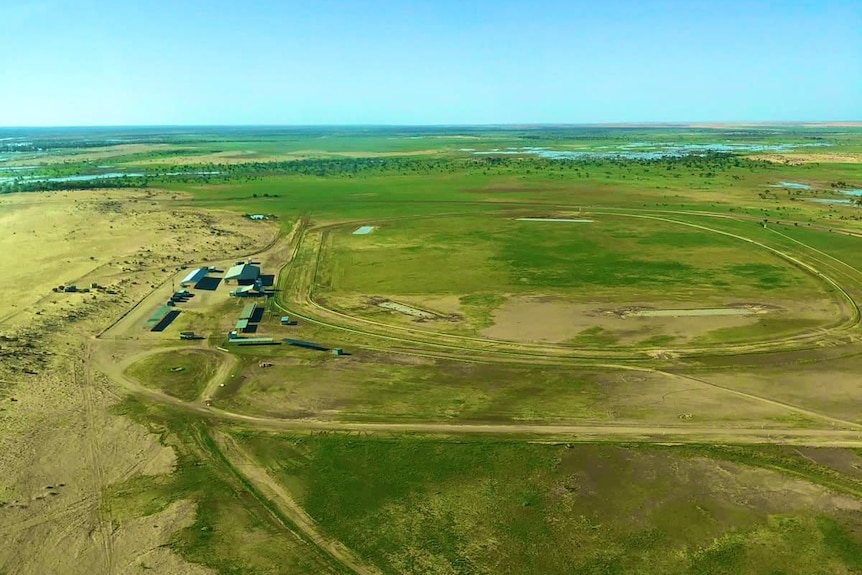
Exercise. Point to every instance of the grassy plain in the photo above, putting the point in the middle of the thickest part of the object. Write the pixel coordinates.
(374, 386)
(144, 484)
(414, 506)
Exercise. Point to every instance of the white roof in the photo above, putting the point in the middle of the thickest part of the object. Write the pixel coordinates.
(195, 276)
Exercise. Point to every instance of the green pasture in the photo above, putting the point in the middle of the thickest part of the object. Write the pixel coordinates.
(447, 227)
(418, 506)
(615, 258)
(377, 387)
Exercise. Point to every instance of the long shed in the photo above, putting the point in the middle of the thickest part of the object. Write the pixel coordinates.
(248, 311)
(194, 277)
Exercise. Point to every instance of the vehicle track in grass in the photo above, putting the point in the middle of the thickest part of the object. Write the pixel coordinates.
(847, 430)
(270, 488)
(454, 348)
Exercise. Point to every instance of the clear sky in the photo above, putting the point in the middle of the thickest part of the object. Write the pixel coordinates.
(119, 62)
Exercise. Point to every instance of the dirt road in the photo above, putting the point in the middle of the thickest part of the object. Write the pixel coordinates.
(272, 489)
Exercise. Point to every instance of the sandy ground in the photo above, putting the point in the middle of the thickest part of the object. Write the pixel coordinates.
(795, 158)
(548, 319)
(85, 154)
(60, 443)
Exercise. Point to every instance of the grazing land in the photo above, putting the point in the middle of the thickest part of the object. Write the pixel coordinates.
(431, 350)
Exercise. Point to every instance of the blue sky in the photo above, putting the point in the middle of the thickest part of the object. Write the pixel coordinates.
(113, 62)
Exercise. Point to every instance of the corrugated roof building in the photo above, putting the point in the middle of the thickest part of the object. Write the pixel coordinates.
(194, 277)
(243, 273)
(248, 311)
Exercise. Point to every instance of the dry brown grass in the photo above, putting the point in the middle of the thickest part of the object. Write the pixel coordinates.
(797, 158)
(60, 443)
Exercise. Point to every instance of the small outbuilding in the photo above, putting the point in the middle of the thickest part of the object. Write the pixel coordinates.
(257, 217)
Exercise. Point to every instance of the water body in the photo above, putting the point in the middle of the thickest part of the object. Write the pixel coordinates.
(661, 150)
(791, 186)
(93, 177)
(364, 230)
(854, 193)
(835, 202)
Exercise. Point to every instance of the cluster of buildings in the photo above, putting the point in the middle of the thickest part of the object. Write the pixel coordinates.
(242, 280)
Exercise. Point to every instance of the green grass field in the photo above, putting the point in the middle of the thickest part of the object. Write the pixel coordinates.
(487, 507)
(609, 259)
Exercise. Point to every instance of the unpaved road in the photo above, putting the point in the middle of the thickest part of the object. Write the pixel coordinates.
(272, 489)
(840, 434)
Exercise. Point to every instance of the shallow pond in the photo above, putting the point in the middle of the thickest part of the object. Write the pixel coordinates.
(791, 186)
(835, 202)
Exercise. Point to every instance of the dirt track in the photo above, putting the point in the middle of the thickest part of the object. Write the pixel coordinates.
(273, 490)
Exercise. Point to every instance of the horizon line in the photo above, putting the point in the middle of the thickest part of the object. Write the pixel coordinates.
(521, 125)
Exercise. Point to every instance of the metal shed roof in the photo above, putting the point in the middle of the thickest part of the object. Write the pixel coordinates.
(243, 272)
(195, 276)
(242, 324)
(248, 311)
(159, 315)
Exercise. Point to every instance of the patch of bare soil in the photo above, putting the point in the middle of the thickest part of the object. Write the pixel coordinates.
(832, 387)
(552, 320)
(844, 461)
(60, 441)
(797, 158)
(633, 396)
(86, 154)
(141, 544)
(771, 492)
